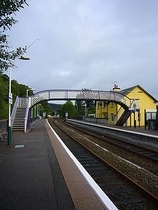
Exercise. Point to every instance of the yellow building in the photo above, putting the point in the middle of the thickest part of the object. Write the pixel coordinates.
(142, 108)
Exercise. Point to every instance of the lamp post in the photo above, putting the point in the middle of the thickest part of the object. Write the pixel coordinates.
(27, 91)
(9, 138)
(10, 97)
(9, 117)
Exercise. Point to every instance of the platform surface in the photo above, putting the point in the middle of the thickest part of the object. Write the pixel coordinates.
(31, 176)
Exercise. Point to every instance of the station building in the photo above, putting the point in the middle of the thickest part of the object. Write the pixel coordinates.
(142, 109)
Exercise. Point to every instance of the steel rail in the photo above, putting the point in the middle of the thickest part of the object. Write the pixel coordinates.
(140, 187)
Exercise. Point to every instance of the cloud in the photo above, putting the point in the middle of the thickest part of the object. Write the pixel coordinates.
(88, 44)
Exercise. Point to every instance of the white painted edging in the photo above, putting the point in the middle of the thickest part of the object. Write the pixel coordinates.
(115, 129)
(98, 191)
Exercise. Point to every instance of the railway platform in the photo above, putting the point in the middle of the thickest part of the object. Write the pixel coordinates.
(36, 174)
(136, 129)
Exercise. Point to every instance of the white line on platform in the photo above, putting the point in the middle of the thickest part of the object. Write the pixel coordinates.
(109, 205)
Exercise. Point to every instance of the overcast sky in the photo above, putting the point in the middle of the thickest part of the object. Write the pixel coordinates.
(88, 44)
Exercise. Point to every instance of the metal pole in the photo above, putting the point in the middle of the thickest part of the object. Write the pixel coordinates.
(134, 118)
(32, 43)
(27, 93)
(9, 139)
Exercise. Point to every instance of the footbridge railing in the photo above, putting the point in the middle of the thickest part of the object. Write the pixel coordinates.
(97, 95)
(61, 94)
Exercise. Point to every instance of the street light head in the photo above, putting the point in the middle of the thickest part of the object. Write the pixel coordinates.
(24, 58)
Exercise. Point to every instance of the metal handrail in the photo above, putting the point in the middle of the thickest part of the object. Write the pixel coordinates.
(16, 105)
(27, 113)
(60, 94)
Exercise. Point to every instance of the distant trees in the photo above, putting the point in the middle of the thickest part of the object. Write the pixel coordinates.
(17, 90)
(44, 108)
(85, 107)
(3, 96)
(82, 106)
(69, 108)
(8, 9)
(77, 110)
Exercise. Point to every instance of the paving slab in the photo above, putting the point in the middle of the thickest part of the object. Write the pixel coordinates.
(30, 176)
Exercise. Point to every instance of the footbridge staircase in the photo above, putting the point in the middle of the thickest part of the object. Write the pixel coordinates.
(124, 117)
(20, 116)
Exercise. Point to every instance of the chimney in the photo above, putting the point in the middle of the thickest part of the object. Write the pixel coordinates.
(116, 88)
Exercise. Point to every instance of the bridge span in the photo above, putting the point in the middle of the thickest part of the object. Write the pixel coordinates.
(63, 94)
(97, 95)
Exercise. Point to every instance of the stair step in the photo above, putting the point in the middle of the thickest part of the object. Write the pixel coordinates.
(19, 119)
(18, 129)
(18, 124)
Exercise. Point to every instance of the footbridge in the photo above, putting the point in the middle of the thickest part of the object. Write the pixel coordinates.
(97, 95)
(62, 94)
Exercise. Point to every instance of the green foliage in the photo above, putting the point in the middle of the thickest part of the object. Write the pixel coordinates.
(53, 108)
(3, 97)
(20, 89)
(69, 108)
(17, 90)
(80, 109)
(8, 8)
(44, 107)
(84, 107)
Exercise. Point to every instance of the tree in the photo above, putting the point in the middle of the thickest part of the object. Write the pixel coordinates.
(8, 8)
(17, 90)
(80, 109)
(3, 97)
(44, 107)
(69, 108)
(84, 106)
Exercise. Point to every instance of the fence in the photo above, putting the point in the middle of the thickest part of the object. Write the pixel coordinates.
(3, 125)
(3, 130)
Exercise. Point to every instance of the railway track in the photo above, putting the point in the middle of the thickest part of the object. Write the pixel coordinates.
(139, 150)
(144, 157)
(124, 193)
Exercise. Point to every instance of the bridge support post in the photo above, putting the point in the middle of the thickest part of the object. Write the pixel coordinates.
(134, 119)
